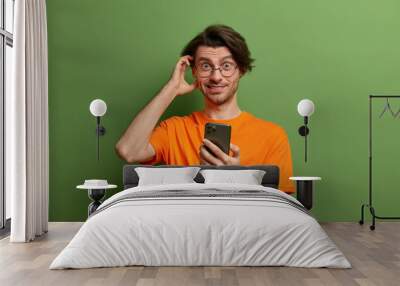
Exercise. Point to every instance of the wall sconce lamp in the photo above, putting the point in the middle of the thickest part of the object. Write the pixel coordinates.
(305, 108)
(98, 108)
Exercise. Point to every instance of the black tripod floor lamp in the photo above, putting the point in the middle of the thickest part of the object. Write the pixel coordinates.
(387, 108)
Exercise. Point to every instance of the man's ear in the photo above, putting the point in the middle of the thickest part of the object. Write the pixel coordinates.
(193, 69)
(241, 73)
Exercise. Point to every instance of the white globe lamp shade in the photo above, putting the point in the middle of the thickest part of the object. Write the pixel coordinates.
(98, 107)
(305, 107)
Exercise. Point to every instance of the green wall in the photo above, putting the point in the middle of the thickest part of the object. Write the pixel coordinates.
(333, 52)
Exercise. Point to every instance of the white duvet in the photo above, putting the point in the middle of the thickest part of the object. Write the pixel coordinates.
(200, 231)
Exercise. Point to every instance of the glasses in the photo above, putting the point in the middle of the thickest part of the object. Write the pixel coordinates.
(205, 69)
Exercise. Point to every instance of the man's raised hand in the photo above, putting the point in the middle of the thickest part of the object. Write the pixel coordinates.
(178, 81)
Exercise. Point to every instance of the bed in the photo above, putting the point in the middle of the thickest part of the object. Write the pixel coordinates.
(201, 224)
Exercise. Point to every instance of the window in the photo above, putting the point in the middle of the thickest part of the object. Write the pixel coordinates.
(6, 60)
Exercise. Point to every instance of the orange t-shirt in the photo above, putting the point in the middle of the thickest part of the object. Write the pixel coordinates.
(177, 141)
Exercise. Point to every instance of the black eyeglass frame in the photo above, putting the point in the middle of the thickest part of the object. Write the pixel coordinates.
(213, 69)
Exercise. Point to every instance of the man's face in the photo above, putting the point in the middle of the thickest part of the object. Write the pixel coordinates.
(216, 87)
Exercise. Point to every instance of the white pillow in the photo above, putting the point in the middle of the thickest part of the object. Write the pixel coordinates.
(249, 177)
(163, 176)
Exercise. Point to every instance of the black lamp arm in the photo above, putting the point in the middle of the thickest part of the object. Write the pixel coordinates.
(304, 131)
(100, 131)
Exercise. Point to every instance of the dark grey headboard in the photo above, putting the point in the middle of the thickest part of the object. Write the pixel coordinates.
(270, 179)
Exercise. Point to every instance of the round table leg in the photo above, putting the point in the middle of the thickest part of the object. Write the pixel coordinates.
(305, 193)
(95, 195)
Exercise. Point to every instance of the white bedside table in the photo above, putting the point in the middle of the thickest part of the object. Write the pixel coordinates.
(304, 190)
(96, 191)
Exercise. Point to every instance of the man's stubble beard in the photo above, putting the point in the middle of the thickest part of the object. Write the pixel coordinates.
(228, 97)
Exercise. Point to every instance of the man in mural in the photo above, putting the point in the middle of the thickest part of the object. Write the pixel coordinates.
(219, 58)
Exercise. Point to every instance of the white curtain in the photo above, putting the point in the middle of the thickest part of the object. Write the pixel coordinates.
(27, 124)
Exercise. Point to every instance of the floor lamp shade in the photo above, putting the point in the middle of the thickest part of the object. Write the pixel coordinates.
(305, 107)
(98, 107)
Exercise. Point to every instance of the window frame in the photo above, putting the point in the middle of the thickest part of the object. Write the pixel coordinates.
(6, 39)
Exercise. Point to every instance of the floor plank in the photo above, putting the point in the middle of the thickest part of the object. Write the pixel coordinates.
(375, 257)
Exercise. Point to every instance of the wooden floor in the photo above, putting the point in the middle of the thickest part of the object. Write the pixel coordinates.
(375, 256)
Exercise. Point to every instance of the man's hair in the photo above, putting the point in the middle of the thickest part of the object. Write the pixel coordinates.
(222, 36)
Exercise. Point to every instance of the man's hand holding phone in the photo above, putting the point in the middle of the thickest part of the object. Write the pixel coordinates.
(211, 154)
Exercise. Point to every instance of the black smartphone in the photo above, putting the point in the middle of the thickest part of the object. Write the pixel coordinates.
(219, 134)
